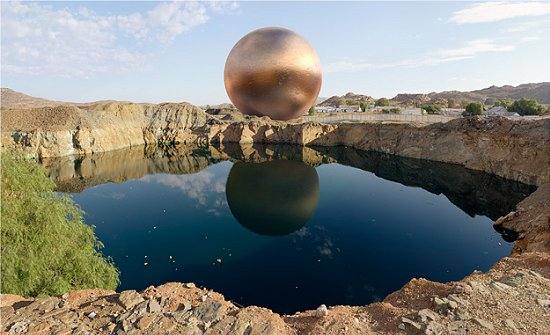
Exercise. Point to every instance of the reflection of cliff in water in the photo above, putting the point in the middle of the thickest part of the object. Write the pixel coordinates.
(274, 197)
(475, 192)
(77, 173)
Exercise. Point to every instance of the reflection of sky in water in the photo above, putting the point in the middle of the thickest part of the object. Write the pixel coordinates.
(367, 237)
(205, 187)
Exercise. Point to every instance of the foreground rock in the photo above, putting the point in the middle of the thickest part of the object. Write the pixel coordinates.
(512, 298)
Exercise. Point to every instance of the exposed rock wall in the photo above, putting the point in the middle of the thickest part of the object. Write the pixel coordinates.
(517, 150)
(514, 149)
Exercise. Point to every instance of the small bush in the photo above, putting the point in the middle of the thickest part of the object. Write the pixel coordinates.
(393, 111)
(506, 103)
(382, 102)
(527, 107)
(311, 111)
(46, 247)
(431, 109)
(473, 108)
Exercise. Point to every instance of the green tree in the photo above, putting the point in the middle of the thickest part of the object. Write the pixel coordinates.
(474, 108)
(363, 105)
(431, 108)
(46, 247)
(527, 107)
(382, 102)
(311, 111)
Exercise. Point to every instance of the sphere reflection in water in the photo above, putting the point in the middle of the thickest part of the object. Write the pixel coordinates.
(272, 198)
(273, 72)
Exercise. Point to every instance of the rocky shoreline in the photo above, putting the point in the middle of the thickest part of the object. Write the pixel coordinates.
(512, 297)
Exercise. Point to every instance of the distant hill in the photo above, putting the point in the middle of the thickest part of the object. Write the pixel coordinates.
(347, 99)
(536, 91)
(13, 99)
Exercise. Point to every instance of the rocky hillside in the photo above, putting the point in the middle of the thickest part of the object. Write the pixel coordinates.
(536, 91)
(350, 99)
(13, 99)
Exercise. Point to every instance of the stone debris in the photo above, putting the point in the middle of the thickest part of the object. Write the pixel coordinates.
(427, 314)
(321, 311)
(484, 323)
(411, 323)
(129, 299)
(444, 305)
(153, 306)
(421, 307)
(511, 324)
(19, 327)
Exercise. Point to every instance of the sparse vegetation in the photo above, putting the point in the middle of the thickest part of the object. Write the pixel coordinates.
(474, 108)
(431, 108)
(393, 111)
(363, 105)
(46, 247)
(311, 111)
(506, 103)
(527, 107)
(382, 102)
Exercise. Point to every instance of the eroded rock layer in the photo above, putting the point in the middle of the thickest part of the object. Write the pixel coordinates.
(516, 149)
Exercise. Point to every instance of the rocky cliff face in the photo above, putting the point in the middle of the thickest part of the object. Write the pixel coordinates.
(515, 149)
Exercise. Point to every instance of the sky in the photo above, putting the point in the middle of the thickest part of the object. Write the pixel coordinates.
(176, 51)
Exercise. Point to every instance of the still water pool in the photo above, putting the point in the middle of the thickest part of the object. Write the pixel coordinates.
(285, 227)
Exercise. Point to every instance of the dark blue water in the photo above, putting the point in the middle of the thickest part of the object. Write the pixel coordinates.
(287, 235)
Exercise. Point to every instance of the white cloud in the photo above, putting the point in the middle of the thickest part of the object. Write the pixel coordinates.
(41, 40)
(498, 11)
(475, 47)
(530, 38)
(469, 50)
(206, 188)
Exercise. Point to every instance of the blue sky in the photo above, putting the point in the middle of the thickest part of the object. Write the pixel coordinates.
(175, 51)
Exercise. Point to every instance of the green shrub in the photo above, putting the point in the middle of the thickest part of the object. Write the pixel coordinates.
(311, 111)
(506, 103)
(431, 109)
(473, 108)
(393, 111)
(527, 107)
(363, 105)
(46, 247)
(382, 102)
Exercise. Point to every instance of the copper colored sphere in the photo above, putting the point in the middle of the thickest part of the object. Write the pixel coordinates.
(273, 72)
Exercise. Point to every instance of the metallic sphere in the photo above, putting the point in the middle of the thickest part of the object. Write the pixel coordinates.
(273, 72)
